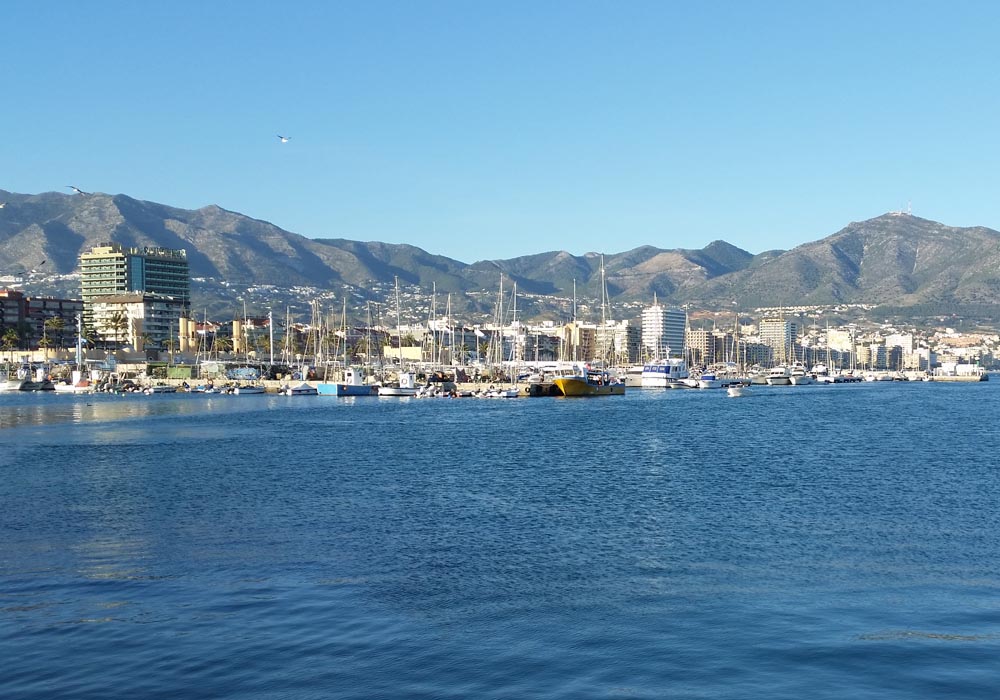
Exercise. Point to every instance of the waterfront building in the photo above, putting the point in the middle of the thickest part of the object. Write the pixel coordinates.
(541, 344)
(13, 309)
(54, 320)
(756, 354)
(578, 341)
(111, 269)
(780, 334)
(137, 319)
(617, 342)
(32, 318)
(663, 331)
(900, 340)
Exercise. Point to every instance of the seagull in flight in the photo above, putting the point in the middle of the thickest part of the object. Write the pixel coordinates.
(76, 189)
(3, 204)
(284, 139)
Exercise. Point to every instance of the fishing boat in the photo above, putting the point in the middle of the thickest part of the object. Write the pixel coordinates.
(582, 381)
(35, 379)
(352, 385)
(352, 380)
(405, 385)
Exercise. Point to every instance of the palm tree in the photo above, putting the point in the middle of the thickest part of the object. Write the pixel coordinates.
(55, 325)
(118, 323)
(10, 341)
(222, 343)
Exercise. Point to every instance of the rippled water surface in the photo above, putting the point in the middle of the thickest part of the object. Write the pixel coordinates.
(821, 542)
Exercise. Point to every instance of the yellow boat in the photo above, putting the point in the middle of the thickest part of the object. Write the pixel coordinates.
(573, 382)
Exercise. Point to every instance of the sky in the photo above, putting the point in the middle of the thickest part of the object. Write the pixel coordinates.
(493, 130)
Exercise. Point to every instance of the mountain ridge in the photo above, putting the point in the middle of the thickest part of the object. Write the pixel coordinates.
(895, 259)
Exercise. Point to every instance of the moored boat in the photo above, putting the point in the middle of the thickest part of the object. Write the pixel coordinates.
(352, 385)
(798, 375)
(161, 389)
(662, 373)
(75, 384)
(303, 389)
(405, 386)
(248, 389)
(585, 382)
(779, 376)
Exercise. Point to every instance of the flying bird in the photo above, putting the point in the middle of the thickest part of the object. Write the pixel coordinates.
(284, 139)
(77, 189)
(3, 204)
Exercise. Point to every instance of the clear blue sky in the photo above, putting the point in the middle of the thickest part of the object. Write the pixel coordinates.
(491, 130)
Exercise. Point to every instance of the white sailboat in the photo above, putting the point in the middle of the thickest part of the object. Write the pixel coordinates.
(78, 383)
(406, 385)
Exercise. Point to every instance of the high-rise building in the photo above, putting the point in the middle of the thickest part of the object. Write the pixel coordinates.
(663, 331)
(781, 335)
(111, 269)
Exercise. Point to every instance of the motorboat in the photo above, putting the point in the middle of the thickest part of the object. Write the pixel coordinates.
(779, 376)
(662, 373)
(161, 389)
(247, 389)
(798, 374)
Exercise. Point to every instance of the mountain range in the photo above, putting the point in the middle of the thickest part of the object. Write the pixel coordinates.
(896, 259)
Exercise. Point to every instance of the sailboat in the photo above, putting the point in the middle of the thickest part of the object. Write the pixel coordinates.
(406, 385)
(78, 384)
(352, 382)
(496, 348)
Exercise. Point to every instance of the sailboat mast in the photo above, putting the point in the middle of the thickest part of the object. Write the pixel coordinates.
(575, 331)
(604, 315)
(344, 328)
(270, 329)
(79, 343)
(431, 323)
(399, 329)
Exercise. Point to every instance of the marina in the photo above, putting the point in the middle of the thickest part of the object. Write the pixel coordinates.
(652, 565)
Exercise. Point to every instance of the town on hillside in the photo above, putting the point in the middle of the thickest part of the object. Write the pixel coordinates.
(135, 310)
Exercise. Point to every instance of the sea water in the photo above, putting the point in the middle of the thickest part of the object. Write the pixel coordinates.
(821, 542)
